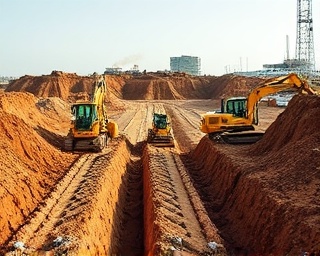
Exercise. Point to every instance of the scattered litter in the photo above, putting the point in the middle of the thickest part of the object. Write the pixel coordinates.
(19, 245)
(213, 245)
(58, 241)
(176, 242)
(216, 247)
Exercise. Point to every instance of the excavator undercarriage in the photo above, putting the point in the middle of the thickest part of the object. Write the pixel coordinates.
(244, 137)
(94, 144)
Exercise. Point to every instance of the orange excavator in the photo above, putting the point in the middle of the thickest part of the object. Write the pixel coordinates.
(90, 127)
(234, 123)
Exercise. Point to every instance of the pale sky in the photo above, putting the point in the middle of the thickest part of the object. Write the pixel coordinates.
(86, 36)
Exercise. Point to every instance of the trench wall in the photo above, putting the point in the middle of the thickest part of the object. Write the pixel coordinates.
(151, 228)
(95, 224)
(243, 205)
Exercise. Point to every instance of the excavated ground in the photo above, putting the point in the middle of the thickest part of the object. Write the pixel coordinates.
(199, 198)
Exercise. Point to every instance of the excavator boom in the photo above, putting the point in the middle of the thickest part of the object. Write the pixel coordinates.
(235, 122)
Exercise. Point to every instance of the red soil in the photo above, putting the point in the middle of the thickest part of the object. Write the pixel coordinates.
(263, 199)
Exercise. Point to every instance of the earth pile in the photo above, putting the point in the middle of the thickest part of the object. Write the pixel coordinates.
(30, 163)
(151, 86)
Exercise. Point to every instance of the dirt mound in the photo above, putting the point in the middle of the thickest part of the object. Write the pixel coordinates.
(170, 87)
(296, 128)
(156, 87)
(68, 86)
(232, 85)
(57, 84)
(150, 86)
(28, 162)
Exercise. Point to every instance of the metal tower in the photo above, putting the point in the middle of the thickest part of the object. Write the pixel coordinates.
(304, 43)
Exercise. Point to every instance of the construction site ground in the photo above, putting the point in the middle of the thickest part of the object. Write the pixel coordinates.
(198, 198)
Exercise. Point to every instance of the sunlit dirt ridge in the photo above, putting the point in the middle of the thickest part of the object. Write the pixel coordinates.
(134, 199)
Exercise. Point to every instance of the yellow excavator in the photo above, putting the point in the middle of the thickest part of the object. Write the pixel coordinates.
(90, 127)
(160, 135)
(234, 123)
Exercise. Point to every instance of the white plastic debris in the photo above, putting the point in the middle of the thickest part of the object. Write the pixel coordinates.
(176, 242)
(19, 245)
(177, 239)
(172, 248)
(213, 245)
(58, 241)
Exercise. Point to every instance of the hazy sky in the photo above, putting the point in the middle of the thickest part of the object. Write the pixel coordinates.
(86, 36)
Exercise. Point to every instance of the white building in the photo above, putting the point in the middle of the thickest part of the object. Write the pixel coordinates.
(187, 64)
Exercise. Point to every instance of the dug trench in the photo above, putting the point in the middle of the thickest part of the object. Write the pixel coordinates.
(127, 200)
(211, 199)
(96, 209)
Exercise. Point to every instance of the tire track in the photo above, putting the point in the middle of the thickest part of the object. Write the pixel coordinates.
(42, 221)
(185, 225)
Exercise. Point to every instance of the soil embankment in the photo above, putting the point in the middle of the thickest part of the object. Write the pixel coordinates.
(133, 199)
(152, 86)
(31, 161)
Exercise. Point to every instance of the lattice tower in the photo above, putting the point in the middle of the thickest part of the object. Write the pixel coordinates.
(304, 43)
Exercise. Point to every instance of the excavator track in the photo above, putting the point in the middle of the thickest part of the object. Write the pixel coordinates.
(95, 145)
(248, 137)
(243, 137)
(160, 141)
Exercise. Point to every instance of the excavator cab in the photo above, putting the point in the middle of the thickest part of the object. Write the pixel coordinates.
(236, 106)
(160, 121)
(84, 115)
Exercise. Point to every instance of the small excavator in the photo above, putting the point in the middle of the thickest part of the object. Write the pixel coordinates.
(160, 135)
(234, 123)
(90, 127)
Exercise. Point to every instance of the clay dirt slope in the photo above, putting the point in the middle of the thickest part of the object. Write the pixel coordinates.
(152, 86)
(31, 161)
(249, 200)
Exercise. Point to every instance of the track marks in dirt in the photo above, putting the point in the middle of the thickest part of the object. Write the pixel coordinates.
(185, 125)
(173, 212)
(44, 219)
(210, 231)
(96, 209)
(136, 121)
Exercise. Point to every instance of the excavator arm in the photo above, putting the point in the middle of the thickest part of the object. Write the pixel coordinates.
(98, 97)
(274, 85)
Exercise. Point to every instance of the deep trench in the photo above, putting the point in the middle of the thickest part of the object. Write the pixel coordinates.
(130, 207)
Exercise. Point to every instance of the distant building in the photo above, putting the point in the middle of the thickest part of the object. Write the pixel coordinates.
(113, 71)
(187, 64)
